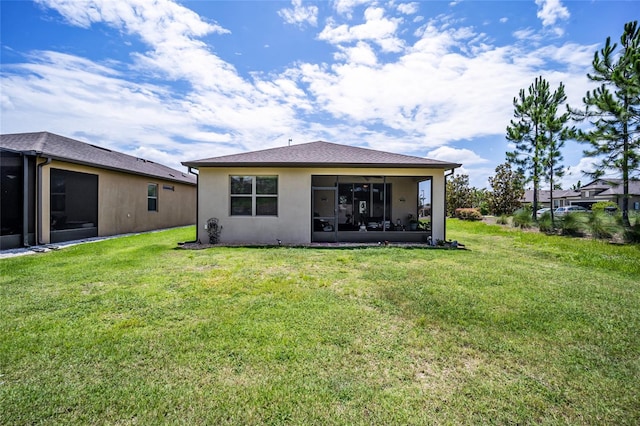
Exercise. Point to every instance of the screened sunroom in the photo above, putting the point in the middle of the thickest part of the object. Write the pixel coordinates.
(351, 208)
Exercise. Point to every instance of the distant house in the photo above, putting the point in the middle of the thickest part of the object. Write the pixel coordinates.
(58, 189)
(319, 192)
(606, 190)
(589, 194)
(544, 197)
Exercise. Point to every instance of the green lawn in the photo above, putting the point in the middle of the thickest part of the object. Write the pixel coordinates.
(521, 328)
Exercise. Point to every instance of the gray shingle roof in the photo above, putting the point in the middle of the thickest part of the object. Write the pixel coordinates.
(544, 195)
(74, 151)
(324, 154)
(616, 188)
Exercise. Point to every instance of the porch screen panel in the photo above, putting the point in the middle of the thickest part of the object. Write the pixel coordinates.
(360, 202)
(74, 200)
(11, 186)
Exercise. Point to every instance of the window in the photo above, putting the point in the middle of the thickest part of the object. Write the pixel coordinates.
(152, 197)
(254, 195)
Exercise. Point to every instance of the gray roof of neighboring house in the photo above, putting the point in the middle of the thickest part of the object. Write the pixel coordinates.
(608, 188)
(615, 187)
(61, 148)
(601, 184)
(320, 154)
(544, 195)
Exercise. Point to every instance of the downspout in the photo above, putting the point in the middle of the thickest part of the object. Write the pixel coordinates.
(197, 203)
(39, 220)
(25, 200)
(445, 202)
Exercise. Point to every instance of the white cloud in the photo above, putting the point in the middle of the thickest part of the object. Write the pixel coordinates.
(551, 11)
(528, 34)
(408, 8)
(300, 14)
(159, 20)
(102, 101)
(504, 20)
(462, 156)
(436, 93)
(577, 172)
(345, 7)
(451, 84)
(377, 28)
(362, 54)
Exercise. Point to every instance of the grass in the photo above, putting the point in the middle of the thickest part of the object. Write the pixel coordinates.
(522, 328)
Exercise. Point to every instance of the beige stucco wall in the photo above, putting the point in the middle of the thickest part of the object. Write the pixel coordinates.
(293, 223)
(122, 201)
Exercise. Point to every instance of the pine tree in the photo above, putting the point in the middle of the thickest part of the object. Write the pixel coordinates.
(556, 133)
(614, 110)
(527, 132)
(539, 134)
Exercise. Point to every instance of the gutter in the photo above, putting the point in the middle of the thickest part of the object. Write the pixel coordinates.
(39, 201)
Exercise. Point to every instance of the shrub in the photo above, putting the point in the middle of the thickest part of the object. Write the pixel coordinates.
(601, 225)
(545, 224)
(632, 234)
(522, 218)
(600, 206)
(573, 224)
(503, 220)
(468, 214)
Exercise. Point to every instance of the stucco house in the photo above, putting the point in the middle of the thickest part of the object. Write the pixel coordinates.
(602, 189)
(319, 192)
(544, 197)
(606, 189)
(58, 189)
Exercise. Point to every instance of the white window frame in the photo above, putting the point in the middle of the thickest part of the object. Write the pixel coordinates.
(151, 197)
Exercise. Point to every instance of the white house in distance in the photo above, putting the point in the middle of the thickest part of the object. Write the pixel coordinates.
(319, 192)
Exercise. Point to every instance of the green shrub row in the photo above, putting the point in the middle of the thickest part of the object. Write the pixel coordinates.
(598, 223)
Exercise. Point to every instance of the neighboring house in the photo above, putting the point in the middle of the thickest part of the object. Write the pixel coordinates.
(544, 197)
(605, 189)
(58, 189)
(589, 194)
(318, 192)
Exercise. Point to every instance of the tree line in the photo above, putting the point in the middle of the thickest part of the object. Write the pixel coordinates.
(543, 122)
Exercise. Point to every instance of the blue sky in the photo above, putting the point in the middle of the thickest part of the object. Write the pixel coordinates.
(172, 81)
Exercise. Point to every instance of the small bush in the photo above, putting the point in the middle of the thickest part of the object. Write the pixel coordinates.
(632, 234)
(468, 214)
(503, 220)
(600, 206)
(601, 225)
(522, 219)
(573, 224)
(484, 209)
(545, 224)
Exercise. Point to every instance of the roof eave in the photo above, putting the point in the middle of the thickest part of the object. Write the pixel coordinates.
(116, 169)
(445, 166)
